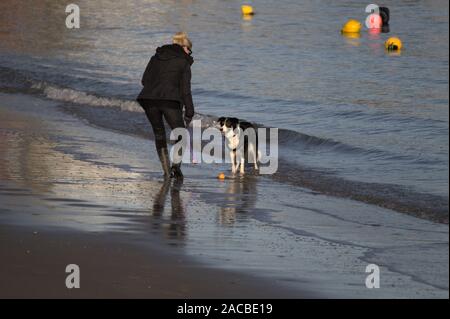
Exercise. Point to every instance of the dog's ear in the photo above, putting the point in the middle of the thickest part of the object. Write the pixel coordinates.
(221, 120)
(233, 122)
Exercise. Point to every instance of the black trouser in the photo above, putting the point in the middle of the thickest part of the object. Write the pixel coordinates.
(156, 110)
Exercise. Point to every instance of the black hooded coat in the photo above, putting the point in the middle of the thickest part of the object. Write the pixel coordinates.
(168, 77)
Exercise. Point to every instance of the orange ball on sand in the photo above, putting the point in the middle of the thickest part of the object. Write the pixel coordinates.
(221, 176)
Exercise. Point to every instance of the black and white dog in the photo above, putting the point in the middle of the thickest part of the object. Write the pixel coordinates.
(242, 140)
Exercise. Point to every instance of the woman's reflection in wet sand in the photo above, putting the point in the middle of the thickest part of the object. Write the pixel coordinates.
(240, 198)
(175, 227)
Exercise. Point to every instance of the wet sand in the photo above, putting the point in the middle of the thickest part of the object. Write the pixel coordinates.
(34, 261)
(95, 197)
(43, 228)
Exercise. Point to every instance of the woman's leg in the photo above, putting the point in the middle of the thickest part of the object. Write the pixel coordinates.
(155, 116)
(174, 116)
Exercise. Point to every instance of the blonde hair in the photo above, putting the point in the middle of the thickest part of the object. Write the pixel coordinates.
(182, 39)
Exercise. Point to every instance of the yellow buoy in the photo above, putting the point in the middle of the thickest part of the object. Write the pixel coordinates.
(247, 10)
(221, 176)
(351, 26)
(393, 44)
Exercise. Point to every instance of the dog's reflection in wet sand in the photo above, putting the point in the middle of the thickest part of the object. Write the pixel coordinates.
(175, 227)
(240, 198)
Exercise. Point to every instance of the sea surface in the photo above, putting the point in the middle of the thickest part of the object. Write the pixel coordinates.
(355, 121)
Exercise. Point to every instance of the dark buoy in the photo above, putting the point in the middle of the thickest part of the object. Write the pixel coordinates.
(385, 17)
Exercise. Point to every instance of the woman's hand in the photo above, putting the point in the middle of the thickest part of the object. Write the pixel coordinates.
(187, 120)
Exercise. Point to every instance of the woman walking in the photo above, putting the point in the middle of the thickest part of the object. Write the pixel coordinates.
(167, 87)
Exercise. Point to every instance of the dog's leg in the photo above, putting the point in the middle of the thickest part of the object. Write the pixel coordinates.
(241, 162)
(233, 161)
(252, 150)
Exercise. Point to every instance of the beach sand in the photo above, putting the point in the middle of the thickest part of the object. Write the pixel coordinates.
(39, 238)
(72, 193)
(34, 262)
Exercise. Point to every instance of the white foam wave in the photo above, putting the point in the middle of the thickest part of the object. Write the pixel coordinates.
(78, 97)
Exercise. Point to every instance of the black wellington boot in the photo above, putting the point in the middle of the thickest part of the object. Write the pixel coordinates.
(165, 162)
(176, 171)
